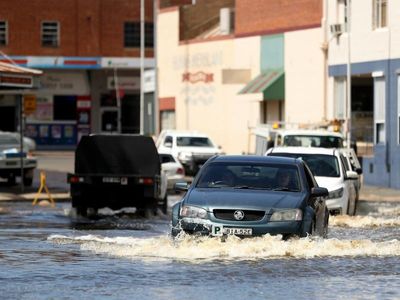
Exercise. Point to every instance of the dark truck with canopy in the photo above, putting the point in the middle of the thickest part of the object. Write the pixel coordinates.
(117, 171)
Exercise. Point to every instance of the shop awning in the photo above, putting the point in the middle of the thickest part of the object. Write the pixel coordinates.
(270, 82)
(16, 77)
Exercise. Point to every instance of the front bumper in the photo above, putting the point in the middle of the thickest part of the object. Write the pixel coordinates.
(203, 226)
(338, 205)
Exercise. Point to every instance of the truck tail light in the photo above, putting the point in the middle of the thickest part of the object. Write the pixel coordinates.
(75, 179)
(146, 181)
(180, 171)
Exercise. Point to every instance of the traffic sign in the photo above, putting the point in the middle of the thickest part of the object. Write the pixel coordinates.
(29, 104)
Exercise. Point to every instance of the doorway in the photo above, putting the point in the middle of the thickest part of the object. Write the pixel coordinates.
(8, 118)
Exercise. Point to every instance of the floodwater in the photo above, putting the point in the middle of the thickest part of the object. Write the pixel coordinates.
(46, 253)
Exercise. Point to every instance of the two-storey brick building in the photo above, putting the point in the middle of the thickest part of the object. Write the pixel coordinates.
(84, 47)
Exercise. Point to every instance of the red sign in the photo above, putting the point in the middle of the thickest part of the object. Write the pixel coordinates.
(198, 77)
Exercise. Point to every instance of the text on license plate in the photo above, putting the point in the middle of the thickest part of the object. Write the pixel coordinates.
(219, 230)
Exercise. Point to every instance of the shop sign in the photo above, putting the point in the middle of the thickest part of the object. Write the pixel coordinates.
(29, 104)
(124, 83)
(17, 81)
(126, 63)
(65, 83)
(198, 77)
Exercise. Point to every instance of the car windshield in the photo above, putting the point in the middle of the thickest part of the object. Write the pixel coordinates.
(320, 164)
(190, 141)
(313, 141)
(8, 140)
(250, 176)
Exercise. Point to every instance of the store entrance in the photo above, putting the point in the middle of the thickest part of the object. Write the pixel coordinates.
(109, 119)
(8, 118)
(362, 113)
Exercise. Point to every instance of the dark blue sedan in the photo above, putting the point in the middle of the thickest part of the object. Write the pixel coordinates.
(251, 196)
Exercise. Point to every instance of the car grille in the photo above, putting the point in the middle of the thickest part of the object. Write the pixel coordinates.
(249, 215)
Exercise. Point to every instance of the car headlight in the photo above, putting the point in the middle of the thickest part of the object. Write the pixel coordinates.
(336, 194)
(185, 155)
(193, 212)
(287, 215)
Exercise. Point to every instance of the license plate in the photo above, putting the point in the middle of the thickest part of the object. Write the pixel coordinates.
(111, 180)
(219, 230)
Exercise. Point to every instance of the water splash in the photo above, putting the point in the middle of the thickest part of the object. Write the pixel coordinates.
(362, 221)
(201, 249)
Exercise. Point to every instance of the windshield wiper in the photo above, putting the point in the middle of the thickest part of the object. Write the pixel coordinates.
(245, 187)
(284, 189)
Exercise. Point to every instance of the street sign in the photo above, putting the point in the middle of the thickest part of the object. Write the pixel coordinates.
(29, 104)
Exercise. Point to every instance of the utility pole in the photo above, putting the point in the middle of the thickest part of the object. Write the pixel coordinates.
(142, 45)
(348, 98)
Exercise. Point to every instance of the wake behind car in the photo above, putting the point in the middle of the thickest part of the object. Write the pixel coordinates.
(329, 170)
(250, 196)
(117, 171)
(10, 159)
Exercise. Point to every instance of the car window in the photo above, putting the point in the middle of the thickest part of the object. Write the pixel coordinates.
(313, 141)
(345, 162)
(310, 178)
(189, 141)
(320, 164)
(166, 158)
(168, 139)
(8, 140)
(250, 176)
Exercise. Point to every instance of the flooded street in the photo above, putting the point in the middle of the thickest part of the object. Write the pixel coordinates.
(46, 253)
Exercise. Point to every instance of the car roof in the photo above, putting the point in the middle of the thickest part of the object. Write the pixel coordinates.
(185, 133)
(304, 150)
(310, 132)
(256, 159)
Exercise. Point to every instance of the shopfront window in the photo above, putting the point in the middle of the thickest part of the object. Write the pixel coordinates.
(64, 108)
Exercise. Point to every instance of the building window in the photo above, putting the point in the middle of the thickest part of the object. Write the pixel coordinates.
(3, 33)
(132, 35)
(379, 109)
(50, 34)
(379, 14)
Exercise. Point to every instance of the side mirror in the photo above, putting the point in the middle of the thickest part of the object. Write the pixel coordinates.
(168, 144)
(319, 192)
(181, 186)
(359, 171)
(351, 175)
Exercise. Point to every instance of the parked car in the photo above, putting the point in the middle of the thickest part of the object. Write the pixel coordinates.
(252, 195)
(352, 163)
(330, 172)
(172, 168)
(10, 159)
(29, 143)
(191, 148)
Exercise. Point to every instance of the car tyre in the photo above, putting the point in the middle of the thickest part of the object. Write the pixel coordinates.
(28, 181)
(351, 208)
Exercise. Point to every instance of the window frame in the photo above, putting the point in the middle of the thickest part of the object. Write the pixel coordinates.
(135, 42)
(5, 32)
(57, 33)
(379, 14)
(379, 111)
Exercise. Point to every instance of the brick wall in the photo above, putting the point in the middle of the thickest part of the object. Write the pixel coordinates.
(257, 16)
(87, 27)
(170, 3)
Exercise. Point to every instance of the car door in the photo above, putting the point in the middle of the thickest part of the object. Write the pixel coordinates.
(349, 185)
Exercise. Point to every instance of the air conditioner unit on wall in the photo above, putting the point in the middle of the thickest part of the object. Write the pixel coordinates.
(337, 29)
